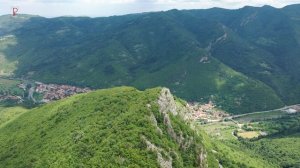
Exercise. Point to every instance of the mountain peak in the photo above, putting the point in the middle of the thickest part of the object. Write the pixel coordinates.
(120, 126)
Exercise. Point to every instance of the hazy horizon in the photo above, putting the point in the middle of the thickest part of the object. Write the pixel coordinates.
(102, 8)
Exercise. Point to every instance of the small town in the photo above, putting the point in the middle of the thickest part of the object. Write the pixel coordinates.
(52, 92)
(206, 112)
(38, 92)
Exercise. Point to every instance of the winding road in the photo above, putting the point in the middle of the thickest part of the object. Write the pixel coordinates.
(30, 94)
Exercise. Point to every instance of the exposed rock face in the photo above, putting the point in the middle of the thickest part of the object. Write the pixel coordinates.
(163, 162)
(166, 102)
(154, 121)
(202, 158)
(167, 106)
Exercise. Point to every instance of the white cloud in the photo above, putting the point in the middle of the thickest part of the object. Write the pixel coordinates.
(52, 8)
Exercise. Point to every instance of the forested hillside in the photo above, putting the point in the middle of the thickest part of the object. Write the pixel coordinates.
(243, 60)
(119, 127)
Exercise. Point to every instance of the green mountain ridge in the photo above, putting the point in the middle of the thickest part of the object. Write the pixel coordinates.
(125, 127)
(243, 60)
(119, 127)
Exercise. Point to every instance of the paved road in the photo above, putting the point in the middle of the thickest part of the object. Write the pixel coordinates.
(259, 112)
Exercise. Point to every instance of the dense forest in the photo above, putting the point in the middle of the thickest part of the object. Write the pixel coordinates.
(243, 60)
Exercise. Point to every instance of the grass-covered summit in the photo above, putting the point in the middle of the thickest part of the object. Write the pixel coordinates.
(120, 127)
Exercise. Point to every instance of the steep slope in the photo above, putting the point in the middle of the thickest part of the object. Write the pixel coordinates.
(8, 114)
(179, 49)
(262, 43)
(120, 127)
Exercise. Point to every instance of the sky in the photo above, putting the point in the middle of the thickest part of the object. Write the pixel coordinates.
(97, 8)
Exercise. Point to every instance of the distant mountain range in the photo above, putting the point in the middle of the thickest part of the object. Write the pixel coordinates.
(243, 60)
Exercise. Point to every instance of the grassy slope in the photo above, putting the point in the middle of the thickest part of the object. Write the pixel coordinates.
(7, 114)
(7, 67)
(8, 25)
(102, 129)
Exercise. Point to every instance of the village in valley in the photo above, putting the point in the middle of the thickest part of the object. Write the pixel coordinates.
(52, 92)
(37, 92)
(205, 113)
(21, 91)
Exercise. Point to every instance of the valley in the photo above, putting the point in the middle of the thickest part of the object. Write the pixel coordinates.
(271, 135)
(199, 55)
(207, 88)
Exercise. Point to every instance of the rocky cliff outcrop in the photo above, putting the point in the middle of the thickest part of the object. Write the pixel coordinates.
(168, 108)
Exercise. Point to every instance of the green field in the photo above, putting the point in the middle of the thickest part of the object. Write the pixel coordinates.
(248, 134)
(221, 130)
(8, 114)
